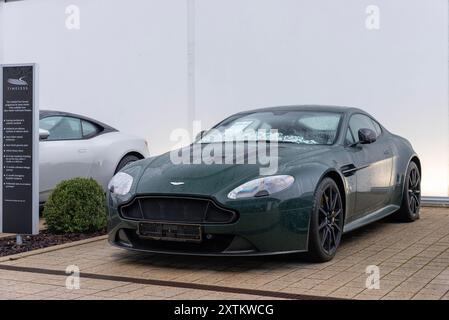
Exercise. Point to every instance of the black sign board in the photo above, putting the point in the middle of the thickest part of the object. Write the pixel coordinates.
(19, 162)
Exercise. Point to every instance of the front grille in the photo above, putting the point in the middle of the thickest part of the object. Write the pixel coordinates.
(176, 209)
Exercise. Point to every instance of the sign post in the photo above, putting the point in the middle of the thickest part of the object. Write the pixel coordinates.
(19, 118)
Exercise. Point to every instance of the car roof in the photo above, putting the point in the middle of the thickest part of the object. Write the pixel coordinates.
(308, 107)
(50, 113)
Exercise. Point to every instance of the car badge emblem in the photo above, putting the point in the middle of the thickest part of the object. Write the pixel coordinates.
(17, 82)
(176, 183)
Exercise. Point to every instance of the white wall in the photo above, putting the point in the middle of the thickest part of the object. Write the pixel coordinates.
(127, 65)
(260, 53)
(1, 31)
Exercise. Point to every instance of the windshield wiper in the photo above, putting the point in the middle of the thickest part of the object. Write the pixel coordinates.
(280, 141)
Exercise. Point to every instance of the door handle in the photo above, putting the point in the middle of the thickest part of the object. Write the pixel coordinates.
(82, 150)
(387, 152)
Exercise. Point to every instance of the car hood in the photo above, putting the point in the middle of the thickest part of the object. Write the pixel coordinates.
(162, 176)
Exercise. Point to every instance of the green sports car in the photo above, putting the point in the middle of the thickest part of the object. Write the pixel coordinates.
(274, 180)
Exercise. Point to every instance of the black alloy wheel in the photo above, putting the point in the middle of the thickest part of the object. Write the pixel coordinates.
(326, 226)
(411, 199)
(414, 190)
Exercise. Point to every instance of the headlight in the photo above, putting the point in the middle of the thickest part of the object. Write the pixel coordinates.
(262, 187)
(120, 183)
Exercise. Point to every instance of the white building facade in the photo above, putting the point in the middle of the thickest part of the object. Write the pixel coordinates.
(148, 67)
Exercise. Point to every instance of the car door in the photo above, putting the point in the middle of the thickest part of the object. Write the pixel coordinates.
(373, 163)
(63, 155)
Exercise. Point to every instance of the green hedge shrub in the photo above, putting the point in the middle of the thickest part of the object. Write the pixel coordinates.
(76, 205)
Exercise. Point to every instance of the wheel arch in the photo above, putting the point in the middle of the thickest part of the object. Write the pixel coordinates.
(128, 153)
(134, 153)
(339, 180)
(337, 177)
(414, 158)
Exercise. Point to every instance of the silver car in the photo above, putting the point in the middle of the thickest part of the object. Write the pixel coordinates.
(76, 146)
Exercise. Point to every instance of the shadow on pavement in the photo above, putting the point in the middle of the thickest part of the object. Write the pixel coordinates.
(236, 263)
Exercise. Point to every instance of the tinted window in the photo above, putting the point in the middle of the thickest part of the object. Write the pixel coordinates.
(89, 129)
(360, 121)
(62, 128)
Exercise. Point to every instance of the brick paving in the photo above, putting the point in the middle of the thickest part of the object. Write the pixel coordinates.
(413, 259)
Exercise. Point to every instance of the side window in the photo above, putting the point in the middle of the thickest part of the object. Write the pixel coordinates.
(62, 128)
(349, 139)
(89, 129)
(377, 128)
(360, 121)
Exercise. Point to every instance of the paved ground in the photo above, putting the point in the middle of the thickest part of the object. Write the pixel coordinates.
(413, 259)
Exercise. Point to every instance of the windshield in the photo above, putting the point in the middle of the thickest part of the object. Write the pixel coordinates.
(300, 127)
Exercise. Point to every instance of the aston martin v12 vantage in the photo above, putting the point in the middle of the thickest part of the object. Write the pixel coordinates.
(337, 169)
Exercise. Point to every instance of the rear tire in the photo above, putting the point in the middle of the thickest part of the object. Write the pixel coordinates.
(326, 223)
(125, 161)
(411, 199)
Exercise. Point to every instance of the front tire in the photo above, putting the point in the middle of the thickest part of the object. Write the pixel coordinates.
(411, 198)
(326, 223)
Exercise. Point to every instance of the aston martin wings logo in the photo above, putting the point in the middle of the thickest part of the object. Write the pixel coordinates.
(17, 82)
(177, 183)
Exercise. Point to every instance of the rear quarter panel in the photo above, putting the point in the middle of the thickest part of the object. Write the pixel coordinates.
(107, 151)
(403, 153)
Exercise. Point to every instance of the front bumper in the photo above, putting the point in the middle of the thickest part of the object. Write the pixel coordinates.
(264, 226)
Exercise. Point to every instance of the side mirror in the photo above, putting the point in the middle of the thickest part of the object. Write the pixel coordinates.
(200, 135)
(367, 136)
(43, 134)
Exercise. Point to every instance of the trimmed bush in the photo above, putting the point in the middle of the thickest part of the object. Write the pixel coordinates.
(76, 205)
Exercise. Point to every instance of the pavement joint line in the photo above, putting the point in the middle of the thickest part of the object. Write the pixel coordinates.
(423, 242)
(398, 267)
(410, 245)
(418, 269)
(430, 279)
(174, 284)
